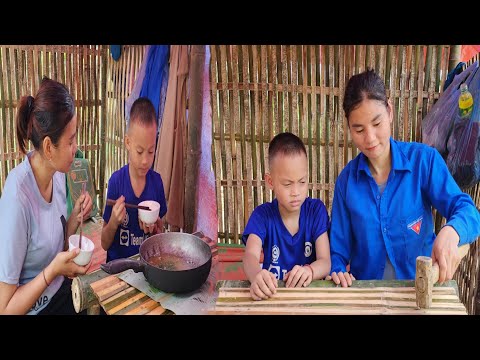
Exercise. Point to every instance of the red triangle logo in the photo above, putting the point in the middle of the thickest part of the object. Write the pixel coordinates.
(416, 226)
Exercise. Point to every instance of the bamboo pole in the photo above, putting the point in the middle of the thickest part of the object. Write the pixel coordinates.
(454, 57)
(195, 108)
(247, 127)
(235, 128)
(103, 130)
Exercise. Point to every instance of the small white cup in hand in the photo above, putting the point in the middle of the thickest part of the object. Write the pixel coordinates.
(83, 258)
(149, 217)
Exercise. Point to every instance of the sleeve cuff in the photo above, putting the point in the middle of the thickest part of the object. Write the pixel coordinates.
(337, 268)
(462, 234)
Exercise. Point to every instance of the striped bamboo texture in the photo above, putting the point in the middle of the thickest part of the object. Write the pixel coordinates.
(121, 77)
(261, 90)
(119, 298)
(79, 67)
(337, 301)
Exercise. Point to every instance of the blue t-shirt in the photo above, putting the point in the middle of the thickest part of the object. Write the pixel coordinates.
(368, 225)
(281, 250)
(129, 236)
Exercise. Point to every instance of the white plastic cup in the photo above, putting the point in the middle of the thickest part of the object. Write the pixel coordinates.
(149, 217)
(86, 252)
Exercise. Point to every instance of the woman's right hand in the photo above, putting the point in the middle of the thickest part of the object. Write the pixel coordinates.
(343, 278)
(264, 285)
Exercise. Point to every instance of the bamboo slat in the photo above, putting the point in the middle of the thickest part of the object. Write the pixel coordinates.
(242, 145)
(216, 150)
(381, 300)
(257, 148)
(119, 298)
(296, 127)
(311, 113)
(401, 104)
(3, 130)
(226, 150)
(264, 118)
(8, 98)
(247, 150)
(236, 159)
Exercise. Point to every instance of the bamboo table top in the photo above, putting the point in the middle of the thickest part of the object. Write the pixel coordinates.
(324, 298)
(119, 298)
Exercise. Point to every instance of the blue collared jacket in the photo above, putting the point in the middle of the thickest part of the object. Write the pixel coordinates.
(366, 225)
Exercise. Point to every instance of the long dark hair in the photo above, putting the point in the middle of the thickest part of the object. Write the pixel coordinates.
(45, 115)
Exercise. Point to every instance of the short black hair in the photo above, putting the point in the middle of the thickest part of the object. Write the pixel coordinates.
(285, 143)
(365, 85)
(142, 112)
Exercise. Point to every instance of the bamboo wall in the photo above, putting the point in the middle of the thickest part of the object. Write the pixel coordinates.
(121, 79)
(80, 68)
(257, 91)
(261, 90)
(91, 75)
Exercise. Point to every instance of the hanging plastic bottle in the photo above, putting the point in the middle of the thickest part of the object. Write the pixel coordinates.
(465, 101)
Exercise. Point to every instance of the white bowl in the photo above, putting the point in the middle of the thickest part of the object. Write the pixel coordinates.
(149, 217)
(83, 258)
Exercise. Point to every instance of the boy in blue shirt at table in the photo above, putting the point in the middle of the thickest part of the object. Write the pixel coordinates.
(291, 230)
(123, 232)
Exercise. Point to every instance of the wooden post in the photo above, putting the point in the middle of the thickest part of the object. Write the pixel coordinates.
(103, 134)
(455, 55)
(82, 294)
(195, 107)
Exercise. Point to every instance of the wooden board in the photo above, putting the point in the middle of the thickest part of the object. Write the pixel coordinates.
(321, 298)
(119, 298)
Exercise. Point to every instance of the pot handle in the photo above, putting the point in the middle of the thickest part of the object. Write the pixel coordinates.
(199, 234)
(118, 265)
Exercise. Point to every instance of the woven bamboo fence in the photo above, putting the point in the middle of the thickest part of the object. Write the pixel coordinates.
(80, 68)
(261, 90)
(99, 86)
(121, 76)
(257, 92)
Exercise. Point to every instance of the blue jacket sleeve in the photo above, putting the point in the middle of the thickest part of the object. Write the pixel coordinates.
(447, 197)
(340, 230)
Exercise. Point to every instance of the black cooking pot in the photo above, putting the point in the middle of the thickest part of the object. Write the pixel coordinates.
(172, 262)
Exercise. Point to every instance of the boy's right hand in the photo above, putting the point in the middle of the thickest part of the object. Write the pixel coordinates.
(118, 211)
(264, 285)
(343, 278)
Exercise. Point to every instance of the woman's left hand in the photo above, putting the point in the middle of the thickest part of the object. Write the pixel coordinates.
(445, 253)
(82, 207)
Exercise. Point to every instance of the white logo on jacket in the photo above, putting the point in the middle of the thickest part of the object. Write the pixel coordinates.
(125, 219)
(275, 253)
(124, 236)
(308, 249)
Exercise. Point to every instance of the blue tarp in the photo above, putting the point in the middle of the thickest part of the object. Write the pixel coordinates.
(157, 58)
